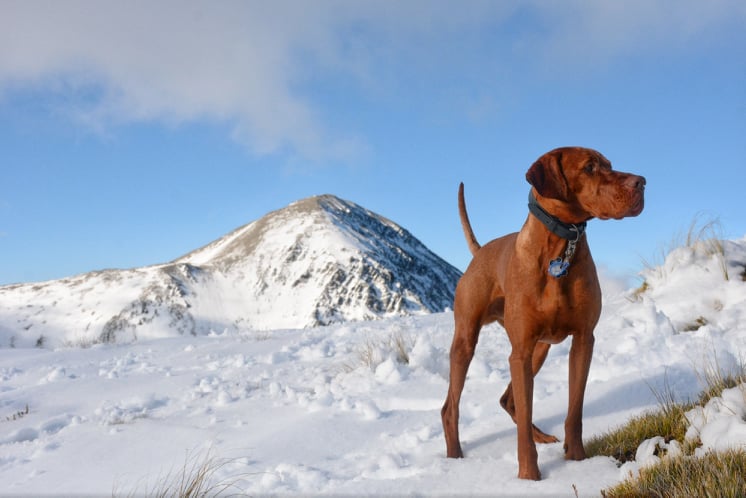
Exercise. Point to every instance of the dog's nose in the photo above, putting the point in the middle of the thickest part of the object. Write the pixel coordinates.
(636, 182)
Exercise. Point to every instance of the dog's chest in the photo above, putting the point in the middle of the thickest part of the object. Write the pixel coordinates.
(568, 309)
(556, 308)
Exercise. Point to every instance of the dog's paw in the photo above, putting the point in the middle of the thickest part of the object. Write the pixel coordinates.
(542, 437)
(532, 474)
(455, 453)
(575, 452)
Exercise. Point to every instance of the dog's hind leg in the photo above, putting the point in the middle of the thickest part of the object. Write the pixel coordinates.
(462, 351)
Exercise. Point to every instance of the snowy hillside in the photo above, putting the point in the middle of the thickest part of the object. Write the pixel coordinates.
(338, 410)
(318, 261)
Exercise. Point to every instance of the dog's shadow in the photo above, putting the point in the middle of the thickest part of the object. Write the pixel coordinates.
(509, 435)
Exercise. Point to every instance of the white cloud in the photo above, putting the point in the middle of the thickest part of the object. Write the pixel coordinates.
(245, 63)
(175, 62)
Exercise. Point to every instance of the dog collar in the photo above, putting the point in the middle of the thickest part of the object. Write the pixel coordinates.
(568, 231)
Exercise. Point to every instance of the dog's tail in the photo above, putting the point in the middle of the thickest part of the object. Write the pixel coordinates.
(471, 240)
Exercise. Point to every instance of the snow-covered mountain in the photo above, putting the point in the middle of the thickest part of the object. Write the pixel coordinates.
(319, 261)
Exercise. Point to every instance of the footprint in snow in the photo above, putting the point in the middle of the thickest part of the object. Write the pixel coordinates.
(50, 427)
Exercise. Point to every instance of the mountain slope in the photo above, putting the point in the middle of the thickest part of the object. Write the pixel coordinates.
(319, 261)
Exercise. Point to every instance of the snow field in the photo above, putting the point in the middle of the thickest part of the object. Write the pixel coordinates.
(335, 410)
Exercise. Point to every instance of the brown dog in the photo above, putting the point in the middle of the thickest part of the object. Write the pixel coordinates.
(541, 285)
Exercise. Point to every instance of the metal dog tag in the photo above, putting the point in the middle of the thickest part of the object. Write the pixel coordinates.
(558, 268)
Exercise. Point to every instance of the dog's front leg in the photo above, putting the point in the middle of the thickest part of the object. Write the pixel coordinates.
(523, 393)
(581, 353)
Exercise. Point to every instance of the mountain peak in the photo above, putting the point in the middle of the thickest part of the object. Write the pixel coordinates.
(321, 214)
(242, 242)
(324, 259)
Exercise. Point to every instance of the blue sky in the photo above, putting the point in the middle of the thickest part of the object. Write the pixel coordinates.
(134, 132)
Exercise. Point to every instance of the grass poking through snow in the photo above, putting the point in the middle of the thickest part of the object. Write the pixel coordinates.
(716, 474)
(197, 478)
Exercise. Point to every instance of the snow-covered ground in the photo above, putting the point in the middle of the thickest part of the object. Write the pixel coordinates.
(333, 410)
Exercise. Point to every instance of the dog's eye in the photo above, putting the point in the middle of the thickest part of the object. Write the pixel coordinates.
(590, 168)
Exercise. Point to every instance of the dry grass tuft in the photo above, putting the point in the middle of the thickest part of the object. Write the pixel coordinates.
(622, 443)
(713, 475)
(715, 379)
(196, 479)
(373, 352)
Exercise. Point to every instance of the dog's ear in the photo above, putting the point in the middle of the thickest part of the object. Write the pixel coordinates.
(546, 176)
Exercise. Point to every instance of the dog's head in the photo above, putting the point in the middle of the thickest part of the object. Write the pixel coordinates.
(577, 184)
